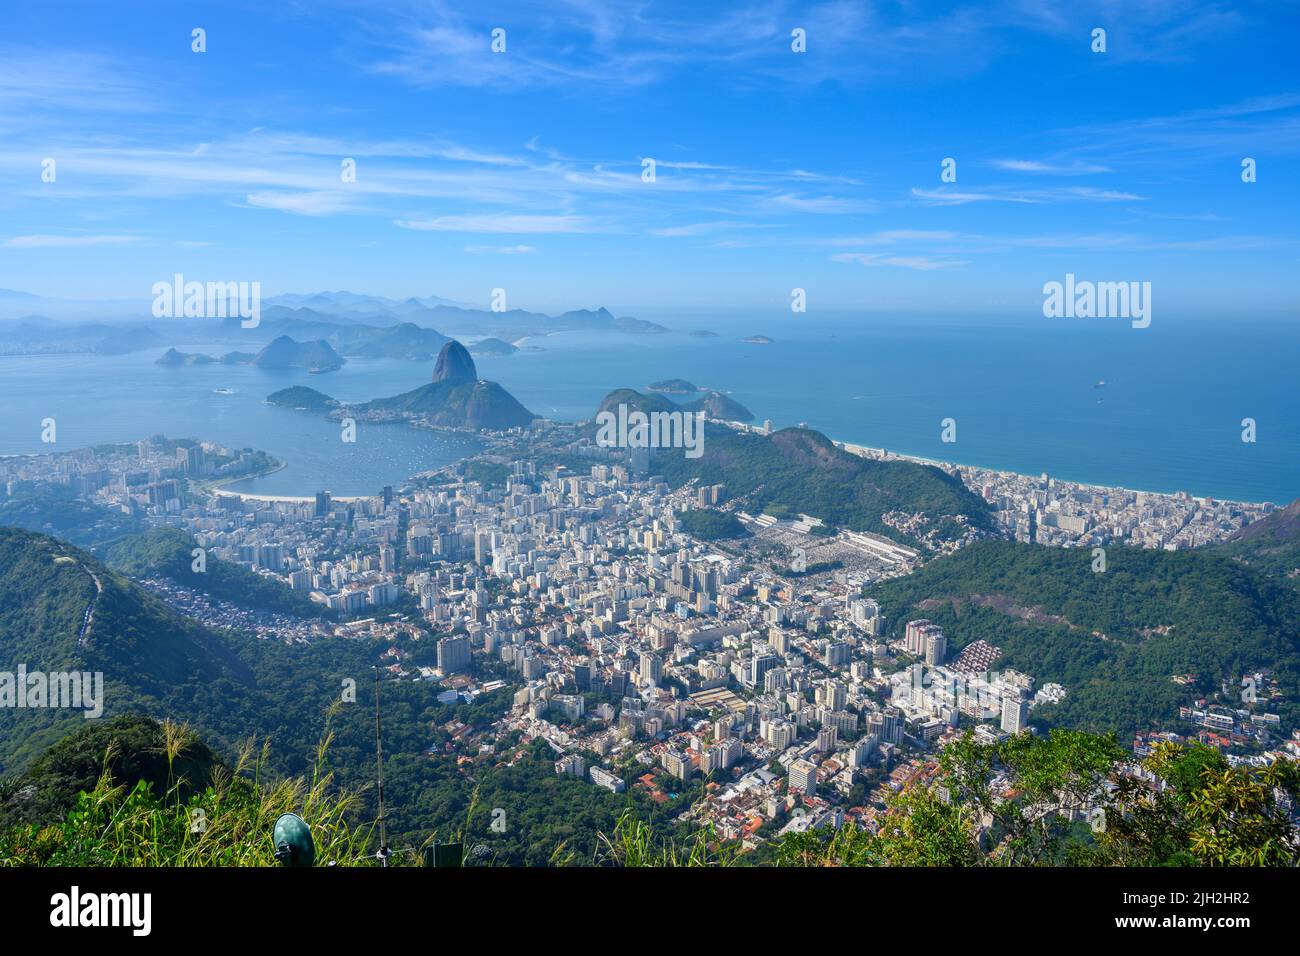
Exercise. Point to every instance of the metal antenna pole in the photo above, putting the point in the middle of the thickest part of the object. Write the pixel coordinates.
(384, 852)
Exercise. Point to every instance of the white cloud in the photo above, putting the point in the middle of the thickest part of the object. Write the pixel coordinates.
(500, 250)
(821, 204)
(1053, 169)
(68, 242)
(322, 202)
(953, 197)
(918, 263)
(499, 222)
(703, 228)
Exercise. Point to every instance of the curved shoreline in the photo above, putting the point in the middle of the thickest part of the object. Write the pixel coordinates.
(882, 454)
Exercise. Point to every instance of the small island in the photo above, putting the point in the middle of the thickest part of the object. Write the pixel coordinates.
(455, 398)
(284, 352)
(493, 347)
(174, 358)
(673, 386)
(301, 398)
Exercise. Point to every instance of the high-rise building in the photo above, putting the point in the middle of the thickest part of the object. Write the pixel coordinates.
(865, 613)
(677, 764)
(803, 776)
(936, 648)
(603, 778)
(651, 670)
(837, 653)
(1015, 714)
(916, 635)
(482, 548)
(759, 665)
(453, 654)
(192, 460)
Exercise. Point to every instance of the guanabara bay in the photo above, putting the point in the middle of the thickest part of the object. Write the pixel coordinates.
(720, 437)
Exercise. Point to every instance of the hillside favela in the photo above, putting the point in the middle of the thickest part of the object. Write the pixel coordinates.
(847, 436)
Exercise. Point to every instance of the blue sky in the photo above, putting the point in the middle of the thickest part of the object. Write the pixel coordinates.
(774, 170)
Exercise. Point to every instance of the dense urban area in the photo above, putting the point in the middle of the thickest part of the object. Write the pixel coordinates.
(646, 656)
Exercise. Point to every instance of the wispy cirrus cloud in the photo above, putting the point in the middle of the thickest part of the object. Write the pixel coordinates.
(68, 241)
(520, 250)
(315, 203)
(830, 205)
(959, 197)
(877, 260)
(45, 83)
(501, 222)
(1228, 130)
(704, 228)
(1053, 169)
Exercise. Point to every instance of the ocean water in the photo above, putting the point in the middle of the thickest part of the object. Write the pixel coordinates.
(1024, 398)
(97, 399)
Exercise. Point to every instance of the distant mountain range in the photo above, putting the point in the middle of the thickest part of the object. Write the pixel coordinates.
(40, 335)
(455, 398)
(353, 325)
(283, 352)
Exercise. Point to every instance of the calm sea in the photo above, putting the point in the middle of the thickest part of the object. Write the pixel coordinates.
(1026, 399)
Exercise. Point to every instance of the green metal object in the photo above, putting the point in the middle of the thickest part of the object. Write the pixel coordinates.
(293, 843)
(443, 854)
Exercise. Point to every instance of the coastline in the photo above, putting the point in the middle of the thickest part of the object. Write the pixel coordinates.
(882, 454)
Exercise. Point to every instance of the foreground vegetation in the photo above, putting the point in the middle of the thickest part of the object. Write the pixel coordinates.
(228, 822)
(1070, 798)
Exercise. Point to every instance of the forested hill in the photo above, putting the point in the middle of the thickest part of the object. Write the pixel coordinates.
(62, 610)
(168, 552)
(230, 688)
(799, 470)
(1271, 545)
(1115, 639)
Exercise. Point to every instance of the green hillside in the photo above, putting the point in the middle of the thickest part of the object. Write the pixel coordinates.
(1116, 638)
(798, 470)
(709, 524)
(168, 552)
(474, 405)
(54, 509)
(151, 658)
(231, 688)
(1270, 545)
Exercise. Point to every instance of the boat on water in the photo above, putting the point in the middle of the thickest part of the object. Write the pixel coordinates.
(1101, 383)
(222, 390)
